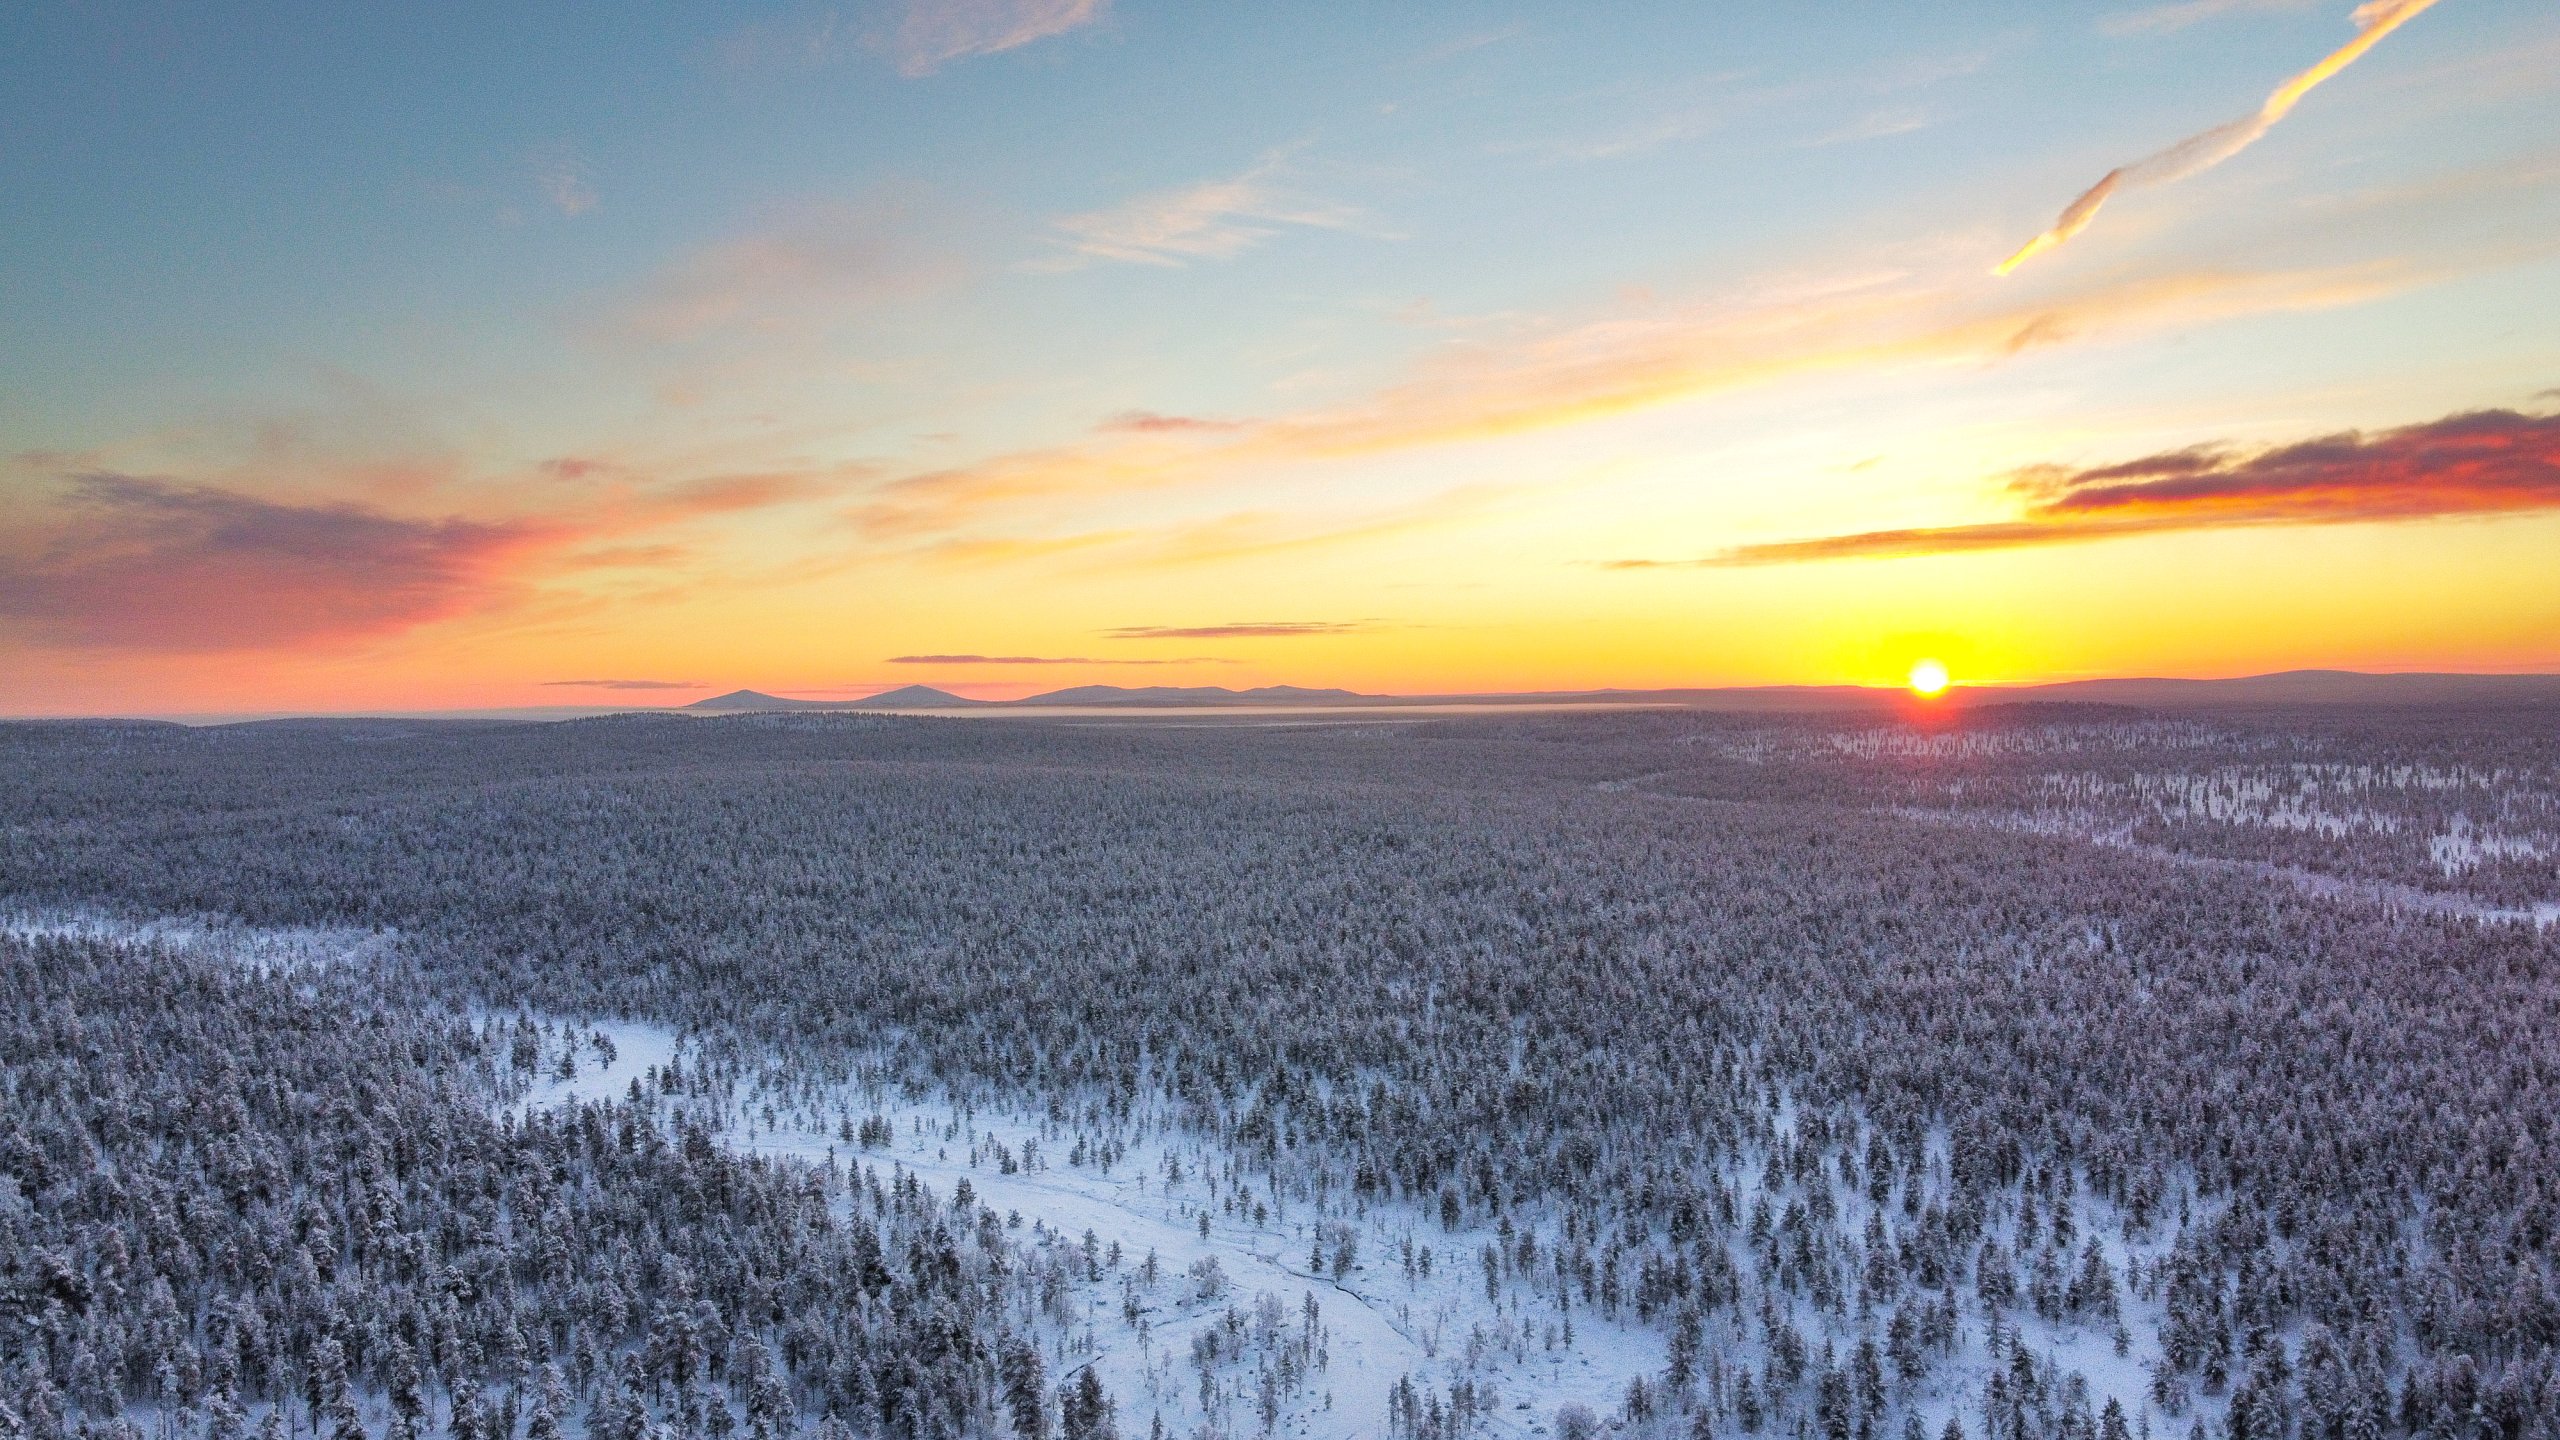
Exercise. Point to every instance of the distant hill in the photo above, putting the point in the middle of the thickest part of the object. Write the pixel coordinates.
(905, 697)
(756, 700)
(2292, 687)
(2302, 687)
(912, 697)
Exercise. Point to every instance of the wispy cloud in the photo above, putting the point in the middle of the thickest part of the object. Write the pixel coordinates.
(562, 177)
(2171, 18)
(626, 684)
(2489, 462)
(137, 562)
(933, 33)
(1875, 125)
(1240, 630)
(1472, 41)
(799, 270)
(1704, 105)
(918, 36)
(1262, 532)
(1562, 375)
(1209, 221)
(1148, 422)
(2203, 151)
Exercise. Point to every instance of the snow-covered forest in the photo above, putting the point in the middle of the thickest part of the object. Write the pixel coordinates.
(2041, 1071)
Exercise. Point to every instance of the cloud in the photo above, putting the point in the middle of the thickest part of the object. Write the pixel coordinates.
(562, 178)
(234, 558)
(933, 33)
(629, 684)
(2169, 19)
(2201, 152)
(754, 490)
(1239, 630)
(1472, 41)
(134, 562)
(1147, 422)
(920, 36)
(809, 39)
(1213, 220)
(801, 269)
(1045, 660)
(1875, 125)
(2487, 462)
(1556, 376)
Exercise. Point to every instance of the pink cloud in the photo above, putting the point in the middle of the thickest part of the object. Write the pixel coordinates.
(140, 563)
(933, 33)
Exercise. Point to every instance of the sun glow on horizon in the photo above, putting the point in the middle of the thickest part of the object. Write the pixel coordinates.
(1929, 679)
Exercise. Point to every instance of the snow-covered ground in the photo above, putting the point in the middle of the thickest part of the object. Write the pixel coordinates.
(1379, 1323)
(1373, 1326)
(1210, 1300)
(209, 936)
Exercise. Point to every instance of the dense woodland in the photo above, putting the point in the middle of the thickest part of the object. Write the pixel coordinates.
(1886, 1072)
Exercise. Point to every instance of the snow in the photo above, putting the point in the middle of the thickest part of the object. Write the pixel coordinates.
(209, 936)
(1376, 1326)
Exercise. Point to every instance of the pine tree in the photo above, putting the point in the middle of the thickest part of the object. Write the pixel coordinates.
(1026, 1388)
(1084, 1412)
(550, 1404)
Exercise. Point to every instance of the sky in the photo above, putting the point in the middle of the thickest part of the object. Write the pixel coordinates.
(473, 355)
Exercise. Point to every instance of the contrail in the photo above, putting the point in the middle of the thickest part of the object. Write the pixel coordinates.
(2202, 152)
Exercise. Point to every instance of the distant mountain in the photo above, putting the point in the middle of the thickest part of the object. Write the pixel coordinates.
(756, 700)
(2292, 687)
(1198, 695)
(905, 697)
(912, 697)
(2304, 687)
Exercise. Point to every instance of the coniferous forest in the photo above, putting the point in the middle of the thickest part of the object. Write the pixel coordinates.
(2035, 1071)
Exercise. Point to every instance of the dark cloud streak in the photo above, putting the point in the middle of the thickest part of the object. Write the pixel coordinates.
(628, 684)
(2486, 462)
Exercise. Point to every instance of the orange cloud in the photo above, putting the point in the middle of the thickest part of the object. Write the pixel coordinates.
(1232, 536)
(2489, 462)
(2201, 152)
(1591, 371)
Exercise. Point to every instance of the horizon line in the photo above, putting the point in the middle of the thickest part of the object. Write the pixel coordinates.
(1326, 698)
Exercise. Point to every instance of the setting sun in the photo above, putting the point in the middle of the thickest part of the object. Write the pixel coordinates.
(1928, 679)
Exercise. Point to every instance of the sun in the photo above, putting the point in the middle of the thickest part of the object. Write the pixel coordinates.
(1928, 679)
